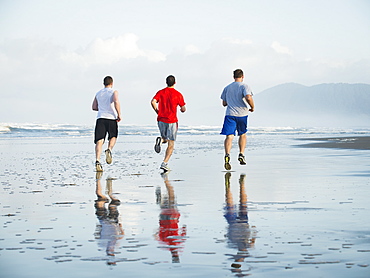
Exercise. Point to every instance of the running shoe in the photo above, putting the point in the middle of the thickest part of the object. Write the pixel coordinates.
(241, 159)
(164, 167)
(108, 156)
(227, 162)
(157, 146)
(98, 167)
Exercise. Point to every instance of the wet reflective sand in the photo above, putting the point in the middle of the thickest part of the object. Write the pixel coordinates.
(290, 212)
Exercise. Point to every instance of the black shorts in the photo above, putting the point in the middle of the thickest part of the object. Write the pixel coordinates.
(104, 126)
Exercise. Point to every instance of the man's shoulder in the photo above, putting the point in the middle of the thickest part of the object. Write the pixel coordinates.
(160, 92)
(235, 85)
(178, 95)
(171, 91)
(106, 90)
(232, 84)
(177, 92)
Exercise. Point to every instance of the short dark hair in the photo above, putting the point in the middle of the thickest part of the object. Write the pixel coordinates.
(108, 80)
(238, 73)
(170, 80)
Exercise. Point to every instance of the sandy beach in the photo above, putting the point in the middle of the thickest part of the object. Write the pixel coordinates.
(291, 212)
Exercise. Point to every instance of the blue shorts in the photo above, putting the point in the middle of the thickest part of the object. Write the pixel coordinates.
(232, 124)
(168, 131)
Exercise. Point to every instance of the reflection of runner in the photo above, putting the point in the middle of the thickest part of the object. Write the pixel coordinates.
(240, 235)
(169, 232)
(109, 230)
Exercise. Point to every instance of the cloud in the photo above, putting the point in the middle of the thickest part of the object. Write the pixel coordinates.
(237, 41)
(280, 49)
(191, 49)
(111, 51)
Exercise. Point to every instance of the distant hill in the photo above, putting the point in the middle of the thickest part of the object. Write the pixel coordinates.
(330, 105)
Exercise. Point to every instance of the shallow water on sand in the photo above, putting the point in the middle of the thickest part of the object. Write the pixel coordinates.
(289, 212)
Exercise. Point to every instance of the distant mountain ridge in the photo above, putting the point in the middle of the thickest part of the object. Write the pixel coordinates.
(329, 105)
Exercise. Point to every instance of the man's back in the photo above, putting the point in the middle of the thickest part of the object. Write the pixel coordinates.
(105, 107)
(168, 99)
(234, 95)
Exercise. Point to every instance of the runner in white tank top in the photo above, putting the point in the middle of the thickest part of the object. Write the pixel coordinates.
(107, 104)
(106, 109)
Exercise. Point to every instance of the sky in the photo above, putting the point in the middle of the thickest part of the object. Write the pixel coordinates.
(55, 54)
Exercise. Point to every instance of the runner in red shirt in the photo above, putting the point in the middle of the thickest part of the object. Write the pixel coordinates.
(165, 104)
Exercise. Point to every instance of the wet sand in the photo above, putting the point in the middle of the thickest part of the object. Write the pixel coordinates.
(290, 212)
(355, 143)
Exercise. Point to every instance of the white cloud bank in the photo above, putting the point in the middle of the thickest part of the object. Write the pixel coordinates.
(111, 51)
(44, 82)
(280, 49)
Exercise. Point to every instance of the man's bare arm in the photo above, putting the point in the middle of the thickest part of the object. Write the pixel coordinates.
(250, 101)
(95, 105)
(117, 105)
(154, 105)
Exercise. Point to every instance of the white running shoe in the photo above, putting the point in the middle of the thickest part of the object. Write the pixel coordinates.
(164, 167)
(241, 159)
(98, 167)
(108, 156)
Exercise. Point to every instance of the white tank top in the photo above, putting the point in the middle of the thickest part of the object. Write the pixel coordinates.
(106, 108)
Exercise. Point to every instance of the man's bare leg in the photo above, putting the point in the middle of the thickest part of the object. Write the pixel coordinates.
(242, 143)
(98, 149)
(112, 142)
(228, 143)
(169, 150)
(108, 152)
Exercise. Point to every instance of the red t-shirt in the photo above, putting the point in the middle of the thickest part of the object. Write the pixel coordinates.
(168, 99)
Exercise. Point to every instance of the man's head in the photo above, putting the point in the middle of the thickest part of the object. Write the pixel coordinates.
(108, 80)
(170, 80)
(238, 73)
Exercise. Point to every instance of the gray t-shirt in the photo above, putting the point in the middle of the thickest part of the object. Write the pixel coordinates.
(234, 95)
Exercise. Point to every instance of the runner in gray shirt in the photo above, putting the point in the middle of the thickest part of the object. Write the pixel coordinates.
(237, 97)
